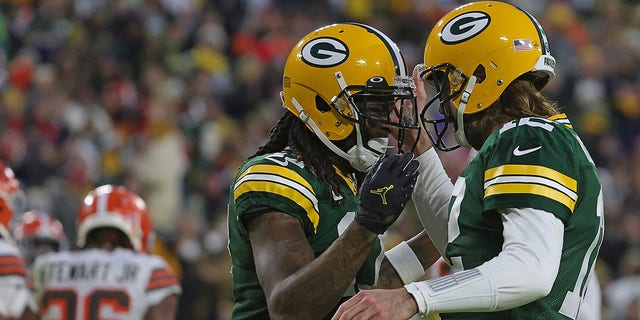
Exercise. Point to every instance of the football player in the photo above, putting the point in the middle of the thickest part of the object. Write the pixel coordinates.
(522, 226)
(38, 233)
(295, 248)
(112, 276)
(14, 294)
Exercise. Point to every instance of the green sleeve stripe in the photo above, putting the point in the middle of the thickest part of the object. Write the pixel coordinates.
(534, 189)
(283, 187)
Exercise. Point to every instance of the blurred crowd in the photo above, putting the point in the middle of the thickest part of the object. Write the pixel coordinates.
(168, 97)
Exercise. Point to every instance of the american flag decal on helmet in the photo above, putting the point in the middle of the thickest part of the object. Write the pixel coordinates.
(522, 45)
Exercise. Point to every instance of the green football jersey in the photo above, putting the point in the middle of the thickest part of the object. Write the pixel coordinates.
(281, 182)
(529, 163)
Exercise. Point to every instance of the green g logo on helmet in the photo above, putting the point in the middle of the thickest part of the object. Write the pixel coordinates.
(464, 27)
(324, 52)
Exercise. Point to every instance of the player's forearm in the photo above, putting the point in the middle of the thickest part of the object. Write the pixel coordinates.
(431, 198)
(423, 144)
(532, 249)
(316, 288)
(423, 249)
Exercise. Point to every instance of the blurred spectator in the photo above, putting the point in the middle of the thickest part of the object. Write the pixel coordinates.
(160, 164)
(622, 295)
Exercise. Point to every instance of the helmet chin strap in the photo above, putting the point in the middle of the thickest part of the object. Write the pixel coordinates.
(358, 156)
(460, 136)
(365, 158)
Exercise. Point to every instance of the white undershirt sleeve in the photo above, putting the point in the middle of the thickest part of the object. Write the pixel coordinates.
(523, 272)
(431, 198)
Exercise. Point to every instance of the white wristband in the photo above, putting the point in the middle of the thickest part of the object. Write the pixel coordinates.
(464, 291)
(406, 263)
(416, 293)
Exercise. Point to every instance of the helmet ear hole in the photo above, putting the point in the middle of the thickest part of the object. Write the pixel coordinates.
(322, 105)
(539, 79)
(480, 73)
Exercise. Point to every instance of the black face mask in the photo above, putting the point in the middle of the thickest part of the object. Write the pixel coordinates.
(379, 104)
(437, 122)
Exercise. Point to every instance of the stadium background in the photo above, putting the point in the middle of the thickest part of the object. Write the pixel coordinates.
(169, 96)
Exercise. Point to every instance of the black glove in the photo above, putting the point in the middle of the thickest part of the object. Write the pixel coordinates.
(385, 190)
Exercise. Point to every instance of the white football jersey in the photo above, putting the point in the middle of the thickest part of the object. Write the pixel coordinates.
(14, 294)
(97, 284)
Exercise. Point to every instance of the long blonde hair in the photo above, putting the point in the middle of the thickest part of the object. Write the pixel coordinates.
(520, 99)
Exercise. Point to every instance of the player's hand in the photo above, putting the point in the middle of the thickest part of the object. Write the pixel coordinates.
(421, 92)
(385, 190)
(418, 139)
(396, 304)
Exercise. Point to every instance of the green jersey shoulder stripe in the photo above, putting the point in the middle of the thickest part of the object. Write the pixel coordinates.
(281, 181)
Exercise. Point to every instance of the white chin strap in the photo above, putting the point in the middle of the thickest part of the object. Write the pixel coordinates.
(360, 157)
(365, 158)
(459, 134)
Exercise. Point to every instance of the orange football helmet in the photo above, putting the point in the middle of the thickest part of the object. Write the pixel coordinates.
(9, 194)
(116, 207)
(39, 233)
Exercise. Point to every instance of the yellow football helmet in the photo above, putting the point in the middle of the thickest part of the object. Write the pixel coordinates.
(340, 76)
(473, 53)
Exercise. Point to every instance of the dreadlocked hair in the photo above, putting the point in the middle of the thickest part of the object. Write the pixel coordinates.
(292, 132)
